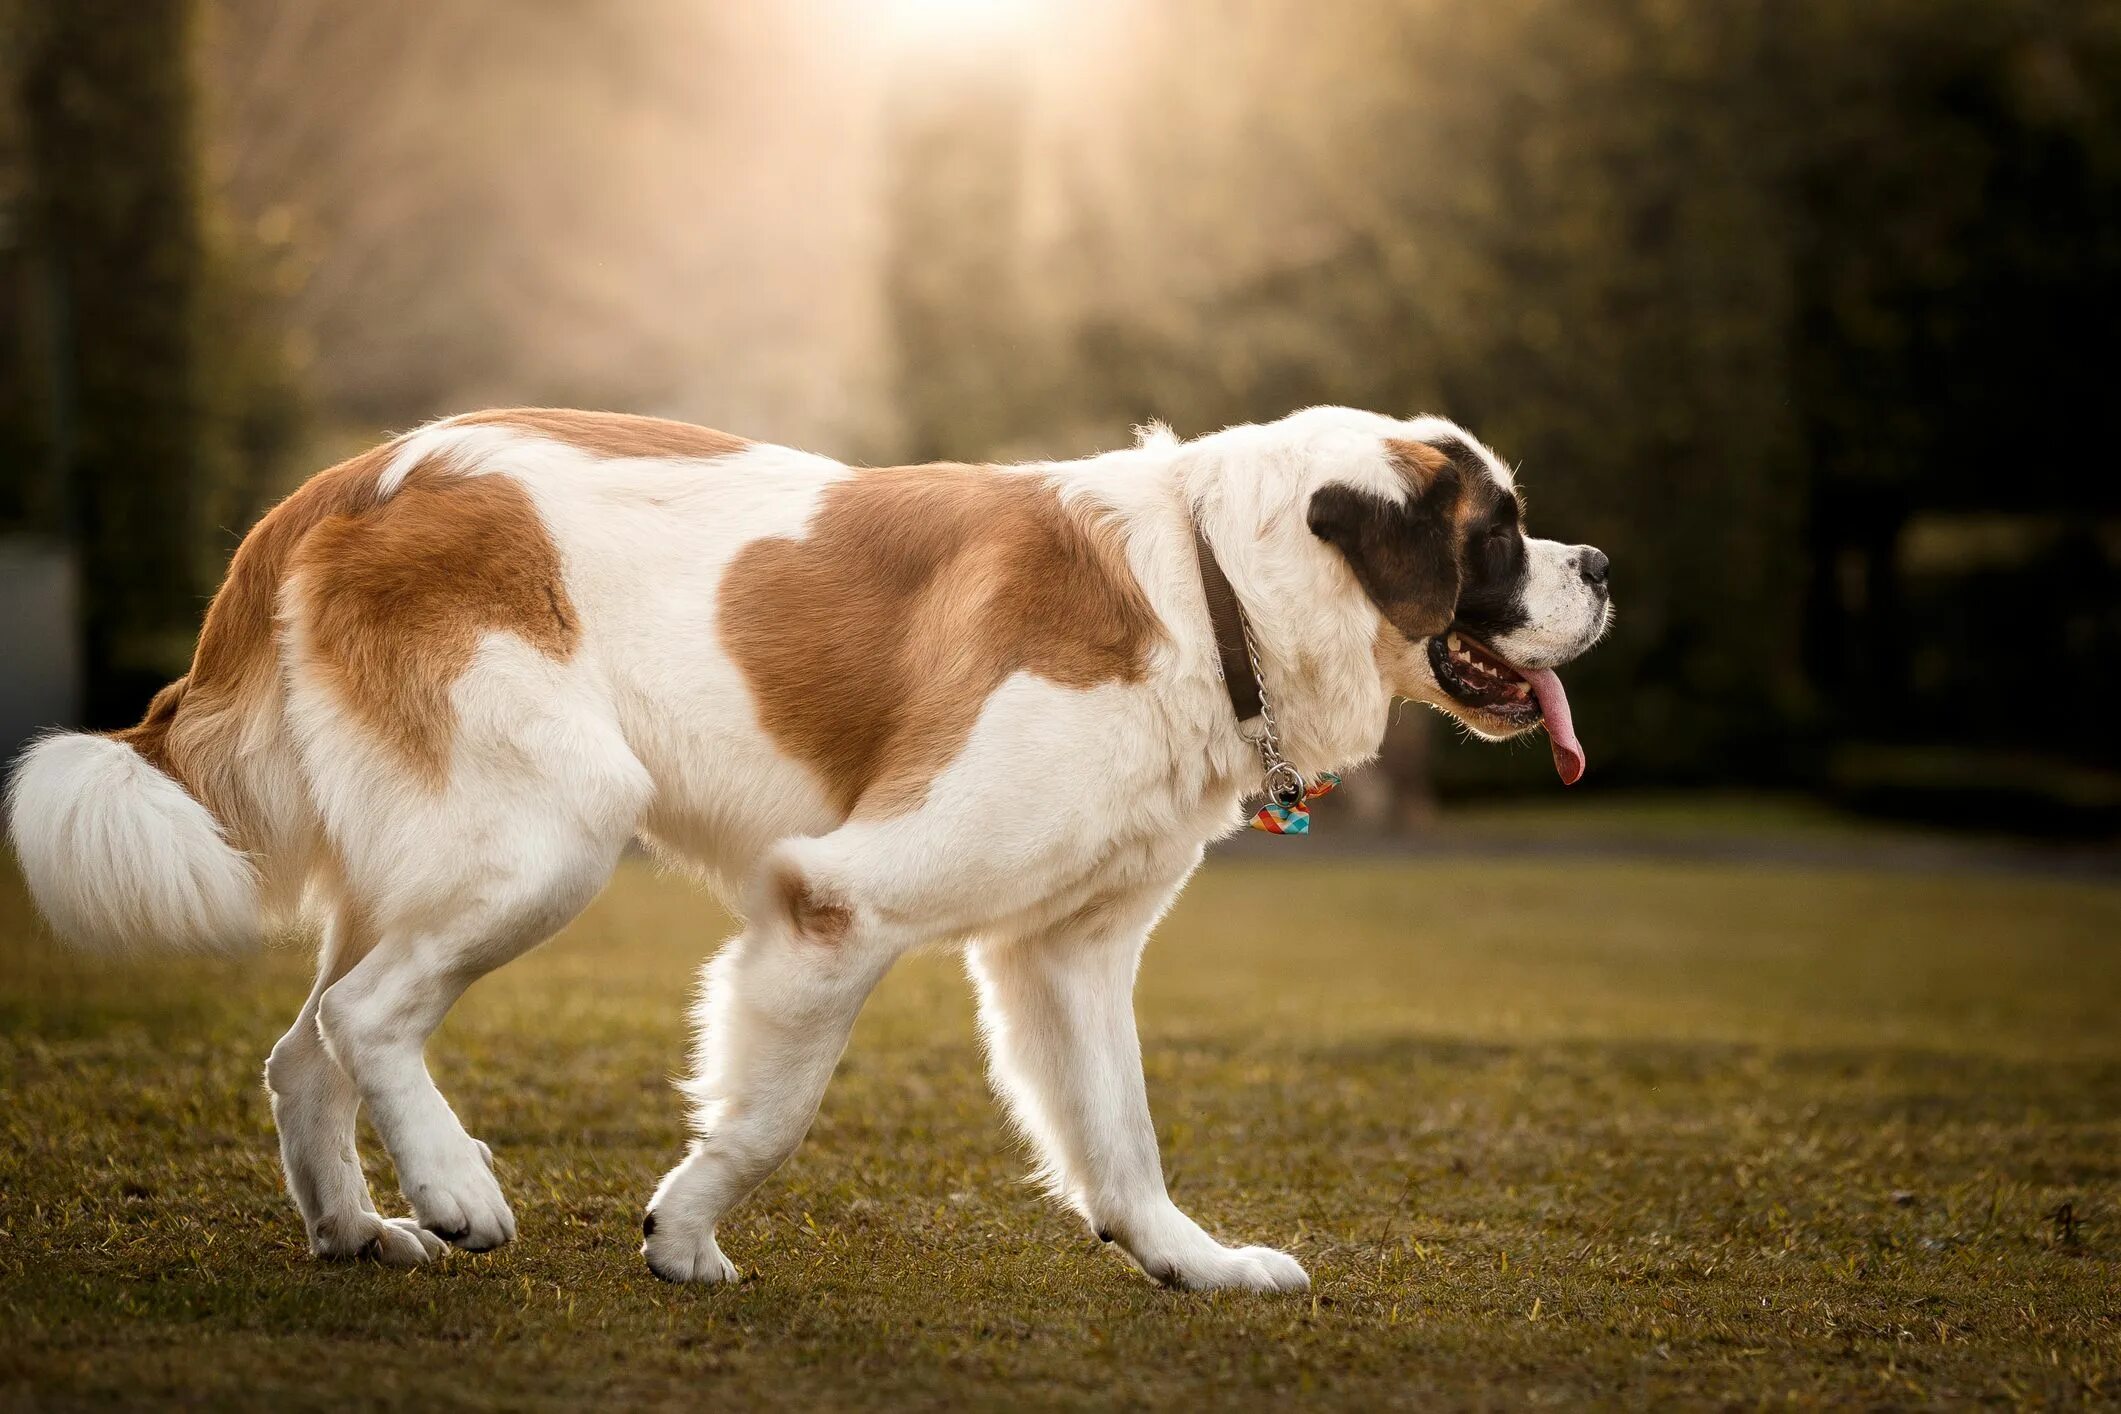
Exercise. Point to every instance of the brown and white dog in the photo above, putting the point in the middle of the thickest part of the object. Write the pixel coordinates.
(448, 681)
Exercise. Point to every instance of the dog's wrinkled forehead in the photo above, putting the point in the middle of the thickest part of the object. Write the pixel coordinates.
(1445, 444)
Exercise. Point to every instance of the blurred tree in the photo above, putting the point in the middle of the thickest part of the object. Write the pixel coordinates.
(662, 206)
(29, 498)
(960, 341)
(110, 119)
(1959, 259)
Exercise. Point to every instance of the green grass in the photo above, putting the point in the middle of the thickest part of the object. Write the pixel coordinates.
(1660, 816)
(1557, 1133)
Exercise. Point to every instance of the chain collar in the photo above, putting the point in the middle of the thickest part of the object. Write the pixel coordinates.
(1237, 664)
(1285, 784)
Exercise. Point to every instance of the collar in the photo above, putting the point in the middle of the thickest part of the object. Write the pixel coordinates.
(1289, 795)
(1228, 618)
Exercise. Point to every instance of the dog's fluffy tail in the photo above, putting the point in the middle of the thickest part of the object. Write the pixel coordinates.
(119, 855)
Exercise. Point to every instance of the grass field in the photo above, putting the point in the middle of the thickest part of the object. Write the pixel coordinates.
(1545, 1133)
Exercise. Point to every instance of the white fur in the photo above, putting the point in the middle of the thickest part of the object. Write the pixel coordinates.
(1047, 849)
(118, 855)
(1568, 616)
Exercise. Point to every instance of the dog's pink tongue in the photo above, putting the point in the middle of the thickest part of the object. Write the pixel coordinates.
(1561, 734)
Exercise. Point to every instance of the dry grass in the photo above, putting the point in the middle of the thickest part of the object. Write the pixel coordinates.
(1554, 1133)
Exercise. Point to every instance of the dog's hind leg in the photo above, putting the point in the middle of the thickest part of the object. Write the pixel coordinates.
(541, 797)
(378, 1017)
(1058, 1011)
(314, 1105)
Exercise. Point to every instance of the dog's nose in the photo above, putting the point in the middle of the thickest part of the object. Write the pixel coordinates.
(1592, 565)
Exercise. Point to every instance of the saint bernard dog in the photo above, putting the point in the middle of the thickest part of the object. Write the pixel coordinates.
(446, 683)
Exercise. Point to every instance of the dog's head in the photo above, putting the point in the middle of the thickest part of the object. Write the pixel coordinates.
(1423, 523)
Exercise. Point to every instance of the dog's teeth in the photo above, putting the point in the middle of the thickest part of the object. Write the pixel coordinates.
(1452, 642)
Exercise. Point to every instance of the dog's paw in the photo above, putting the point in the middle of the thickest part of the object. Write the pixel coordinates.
(1232, 1269)
(394, 1242)
(1190, 1260)
(1246, 1268)
(680, 1252)
(460, 1201)
(1175, 1252)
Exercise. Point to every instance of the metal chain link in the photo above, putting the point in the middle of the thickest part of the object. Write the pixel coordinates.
(1285, 784)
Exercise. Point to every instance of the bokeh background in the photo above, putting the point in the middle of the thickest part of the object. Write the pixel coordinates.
(1805, 312)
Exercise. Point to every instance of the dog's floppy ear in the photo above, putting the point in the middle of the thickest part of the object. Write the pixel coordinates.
(1404, 552)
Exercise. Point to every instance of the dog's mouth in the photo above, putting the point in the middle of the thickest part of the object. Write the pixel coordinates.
(1509, 698)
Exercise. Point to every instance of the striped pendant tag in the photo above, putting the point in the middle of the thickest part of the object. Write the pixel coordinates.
(1293, 819)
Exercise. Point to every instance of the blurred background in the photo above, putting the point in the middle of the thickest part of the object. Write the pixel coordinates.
(1805, 312)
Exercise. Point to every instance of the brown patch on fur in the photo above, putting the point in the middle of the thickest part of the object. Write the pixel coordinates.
(611, 434)
(412, 581)
(1399, 661)
(396, 600)
(814, 918)
(193, 727)
(1421, 465)
(871, 644)
(1418, 462)
(150, 735)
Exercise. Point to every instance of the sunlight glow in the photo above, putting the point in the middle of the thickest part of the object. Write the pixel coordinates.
(959, 24)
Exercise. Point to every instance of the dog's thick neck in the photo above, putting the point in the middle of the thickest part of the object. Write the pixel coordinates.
(1317, 663)
(1314, 629)
(1314, 639)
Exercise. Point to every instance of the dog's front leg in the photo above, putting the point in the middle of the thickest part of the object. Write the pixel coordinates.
(1058, 1010)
